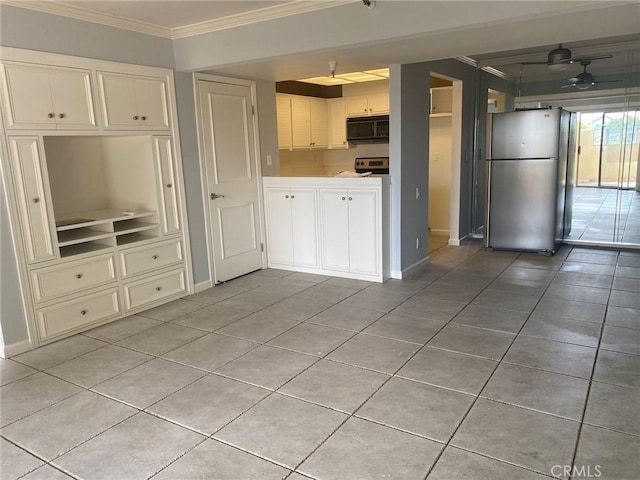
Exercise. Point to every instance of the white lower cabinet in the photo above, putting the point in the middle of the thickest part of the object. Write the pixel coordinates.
(66, 317)
(291, 226)
(350, 225)
(154, 289)
(330, 226)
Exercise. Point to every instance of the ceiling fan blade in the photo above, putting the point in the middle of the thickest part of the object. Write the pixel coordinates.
(533, 63)
(569, 85)
(607, 81)
(589, 57)
(573, 79)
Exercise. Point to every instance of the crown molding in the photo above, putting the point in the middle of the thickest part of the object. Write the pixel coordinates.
(255, 16)
(84, 14)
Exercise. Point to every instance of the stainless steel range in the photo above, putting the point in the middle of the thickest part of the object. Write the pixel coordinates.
(375, 165)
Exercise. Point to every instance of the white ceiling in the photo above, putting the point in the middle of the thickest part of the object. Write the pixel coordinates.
(172, 14)
(177, 19)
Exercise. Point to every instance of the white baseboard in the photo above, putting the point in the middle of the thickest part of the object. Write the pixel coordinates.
(13, 349)
(454, 242)
(199, 287)
(404, 273)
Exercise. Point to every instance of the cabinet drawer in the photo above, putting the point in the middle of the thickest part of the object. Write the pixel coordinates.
(74, 314)
(72, 277)
(149, 257)
(149, 290)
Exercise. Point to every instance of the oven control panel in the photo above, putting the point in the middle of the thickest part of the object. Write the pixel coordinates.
(375, 165)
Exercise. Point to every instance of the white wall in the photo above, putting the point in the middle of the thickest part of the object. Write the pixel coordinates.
(440, 137)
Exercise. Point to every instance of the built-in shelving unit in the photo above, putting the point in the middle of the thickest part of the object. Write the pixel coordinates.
(85, 232)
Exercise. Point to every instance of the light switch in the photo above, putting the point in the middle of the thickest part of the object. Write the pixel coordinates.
(269, 161)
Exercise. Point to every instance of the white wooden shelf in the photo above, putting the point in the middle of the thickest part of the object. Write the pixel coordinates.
(110, 227)
(438, 115)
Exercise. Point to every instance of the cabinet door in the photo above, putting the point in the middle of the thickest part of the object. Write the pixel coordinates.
(33, 200)
(151, 101)
(166, 185)
(334, 225)
(304, 227)
(357, 106)
(28, 98)
(279, 230)
(337, 124)
(72, 100)
(364, 231)
(319, 120)
(300, 122)
(379, 104)
(118, 96)
(283, 112)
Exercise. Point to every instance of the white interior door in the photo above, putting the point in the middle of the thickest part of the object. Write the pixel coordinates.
(228, 142)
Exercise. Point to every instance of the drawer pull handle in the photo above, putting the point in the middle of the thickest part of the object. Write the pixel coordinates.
(78, 276)
(61, 115)
(344, 198)
(350, 198)
(293, 196)
(169, 185)
(158, 289)
(83, 312)
(155, 257)
(286, 196)
(50, 115)
(143, 118)
(36, 200)
(135, 117)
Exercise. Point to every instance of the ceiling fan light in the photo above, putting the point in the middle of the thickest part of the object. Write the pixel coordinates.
(557, 67)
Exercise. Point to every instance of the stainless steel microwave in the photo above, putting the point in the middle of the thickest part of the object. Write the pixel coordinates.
(368, 129)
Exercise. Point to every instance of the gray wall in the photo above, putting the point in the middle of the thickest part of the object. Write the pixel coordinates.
(22, 28)
(13, 325)
(409, 149)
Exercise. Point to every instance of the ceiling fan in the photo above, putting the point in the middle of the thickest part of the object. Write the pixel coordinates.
(585, 80)
(560, 58)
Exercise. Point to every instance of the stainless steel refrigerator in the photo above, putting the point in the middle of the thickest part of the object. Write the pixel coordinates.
(530, 178)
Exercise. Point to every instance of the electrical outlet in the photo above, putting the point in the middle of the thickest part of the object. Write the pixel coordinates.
(269, 161)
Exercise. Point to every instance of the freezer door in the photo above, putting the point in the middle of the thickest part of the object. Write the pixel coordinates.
(525, 134)
(522, 204)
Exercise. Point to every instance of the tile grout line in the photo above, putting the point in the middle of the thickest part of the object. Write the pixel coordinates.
(448, 443)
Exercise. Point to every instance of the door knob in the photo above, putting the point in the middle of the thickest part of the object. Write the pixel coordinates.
(213, 196)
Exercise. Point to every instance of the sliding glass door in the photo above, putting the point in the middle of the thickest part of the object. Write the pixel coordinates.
(606, 208)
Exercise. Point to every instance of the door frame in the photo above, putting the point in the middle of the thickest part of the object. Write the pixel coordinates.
(205, 77)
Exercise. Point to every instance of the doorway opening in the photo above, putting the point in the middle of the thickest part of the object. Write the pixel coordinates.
(445, 149)
(606, 206)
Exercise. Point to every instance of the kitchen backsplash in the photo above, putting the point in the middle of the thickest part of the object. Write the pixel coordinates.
(299, 163)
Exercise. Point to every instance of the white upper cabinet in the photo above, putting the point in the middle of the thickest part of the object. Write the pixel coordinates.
(283, 112)
(48, 98)
(337, 123)
(133, 102)
(441, 101)
(365, 105)
(302, 122)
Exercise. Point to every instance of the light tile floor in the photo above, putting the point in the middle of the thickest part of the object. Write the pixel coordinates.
(481, 365)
